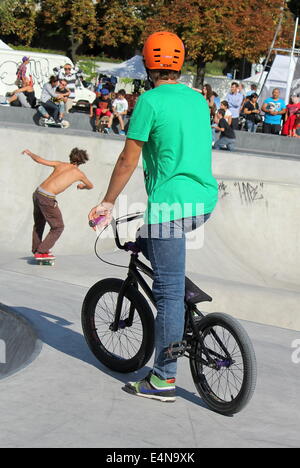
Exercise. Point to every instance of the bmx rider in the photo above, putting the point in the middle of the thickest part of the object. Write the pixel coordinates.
(182, 193)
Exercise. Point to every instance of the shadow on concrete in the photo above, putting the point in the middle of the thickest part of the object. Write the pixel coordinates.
(56, 332)
(19, 342)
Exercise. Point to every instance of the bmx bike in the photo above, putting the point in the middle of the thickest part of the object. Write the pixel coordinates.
(118, 325)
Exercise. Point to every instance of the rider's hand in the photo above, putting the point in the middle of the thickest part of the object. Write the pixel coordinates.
(104, 209)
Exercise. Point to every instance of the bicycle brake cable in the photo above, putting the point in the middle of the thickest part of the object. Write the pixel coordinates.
(129, 217)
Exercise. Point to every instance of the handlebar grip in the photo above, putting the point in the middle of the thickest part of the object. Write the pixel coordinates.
(96, 221)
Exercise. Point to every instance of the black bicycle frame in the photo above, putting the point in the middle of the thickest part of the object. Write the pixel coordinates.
(134, 278)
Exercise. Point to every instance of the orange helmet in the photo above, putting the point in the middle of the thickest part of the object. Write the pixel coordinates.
(163, 50)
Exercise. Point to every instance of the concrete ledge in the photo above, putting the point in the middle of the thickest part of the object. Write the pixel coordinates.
(257, 143)
(19, 343)
(20, 115)
(268, 144)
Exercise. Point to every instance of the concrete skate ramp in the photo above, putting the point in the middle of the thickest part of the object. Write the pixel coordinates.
(250, 260)
(19, 344)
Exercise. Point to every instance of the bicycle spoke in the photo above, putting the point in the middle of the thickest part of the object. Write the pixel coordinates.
(223, 381)
(126, 341)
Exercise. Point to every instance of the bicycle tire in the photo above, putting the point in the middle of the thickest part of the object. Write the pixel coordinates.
(99, 345)
(201, 373)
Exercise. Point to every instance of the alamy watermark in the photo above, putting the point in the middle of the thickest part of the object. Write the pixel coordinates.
(186, 224)
(296, 353)
(2, 352)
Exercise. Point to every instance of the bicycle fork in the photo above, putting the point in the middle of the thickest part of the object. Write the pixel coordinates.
(118, 324)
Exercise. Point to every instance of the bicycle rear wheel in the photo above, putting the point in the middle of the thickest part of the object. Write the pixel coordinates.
(223, 365)
(129, 347)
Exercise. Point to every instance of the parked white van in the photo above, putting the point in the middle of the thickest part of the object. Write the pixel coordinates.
(40, 67)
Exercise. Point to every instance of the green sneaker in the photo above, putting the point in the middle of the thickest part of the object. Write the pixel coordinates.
(153, 387)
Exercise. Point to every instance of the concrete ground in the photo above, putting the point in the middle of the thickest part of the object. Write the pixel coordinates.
(66, 398)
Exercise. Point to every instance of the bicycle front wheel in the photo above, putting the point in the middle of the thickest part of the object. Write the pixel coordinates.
(223, 364)
(128, 348)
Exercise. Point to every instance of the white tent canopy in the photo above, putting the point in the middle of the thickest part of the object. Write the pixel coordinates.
(283, 72)
(132, 68)
(255, 79)
(4, 46)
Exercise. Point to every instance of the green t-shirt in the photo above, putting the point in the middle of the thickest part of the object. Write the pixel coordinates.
(174, 122)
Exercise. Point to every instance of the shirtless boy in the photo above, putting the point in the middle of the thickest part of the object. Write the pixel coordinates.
(44, 199)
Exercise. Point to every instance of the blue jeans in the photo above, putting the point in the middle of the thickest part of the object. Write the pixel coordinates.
(251, 126)
(224, 141)
(165, 246)
(61, 106)
(51, 108)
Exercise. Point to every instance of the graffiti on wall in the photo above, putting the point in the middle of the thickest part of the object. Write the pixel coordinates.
(40, 70)
(248, 192)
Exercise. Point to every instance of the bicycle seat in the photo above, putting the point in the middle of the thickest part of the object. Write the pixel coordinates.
(193, 294)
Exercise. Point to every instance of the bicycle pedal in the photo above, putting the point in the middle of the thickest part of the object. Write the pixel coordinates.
(176, 350)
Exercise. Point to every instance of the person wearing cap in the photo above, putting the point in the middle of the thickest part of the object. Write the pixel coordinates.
(182, 193)
(68, 74)
(21, 72)
(102, 106)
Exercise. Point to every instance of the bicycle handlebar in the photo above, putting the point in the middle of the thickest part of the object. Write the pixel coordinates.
(114, 224)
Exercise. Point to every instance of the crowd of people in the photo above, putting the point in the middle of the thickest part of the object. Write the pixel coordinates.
(239, 110)
(58, 97)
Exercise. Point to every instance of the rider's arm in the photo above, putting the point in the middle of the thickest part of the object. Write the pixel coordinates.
(40, 160)
(124, 168)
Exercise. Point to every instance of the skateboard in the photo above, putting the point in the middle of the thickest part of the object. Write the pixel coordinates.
(103, 123)
(45, 261)
(43, 122)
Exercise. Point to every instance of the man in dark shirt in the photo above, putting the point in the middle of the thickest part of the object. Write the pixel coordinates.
(227, 137)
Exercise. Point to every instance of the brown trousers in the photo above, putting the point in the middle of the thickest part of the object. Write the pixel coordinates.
(45, 210)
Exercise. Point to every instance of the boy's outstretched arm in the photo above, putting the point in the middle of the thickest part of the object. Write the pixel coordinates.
(40, 160)
(86, 183)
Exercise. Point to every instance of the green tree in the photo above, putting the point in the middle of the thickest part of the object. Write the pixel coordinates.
(214, 29)
(120, 24)
(75, 18)
(17, 19)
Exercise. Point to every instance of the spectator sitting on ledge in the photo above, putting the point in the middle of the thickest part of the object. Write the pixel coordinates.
(120, 108)
(102, 106)
(24, 97)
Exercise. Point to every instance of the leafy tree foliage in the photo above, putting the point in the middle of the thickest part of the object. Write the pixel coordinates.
(120, 24)
(76, 18)
(211, 29)
(214, 29)
(17, 18)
